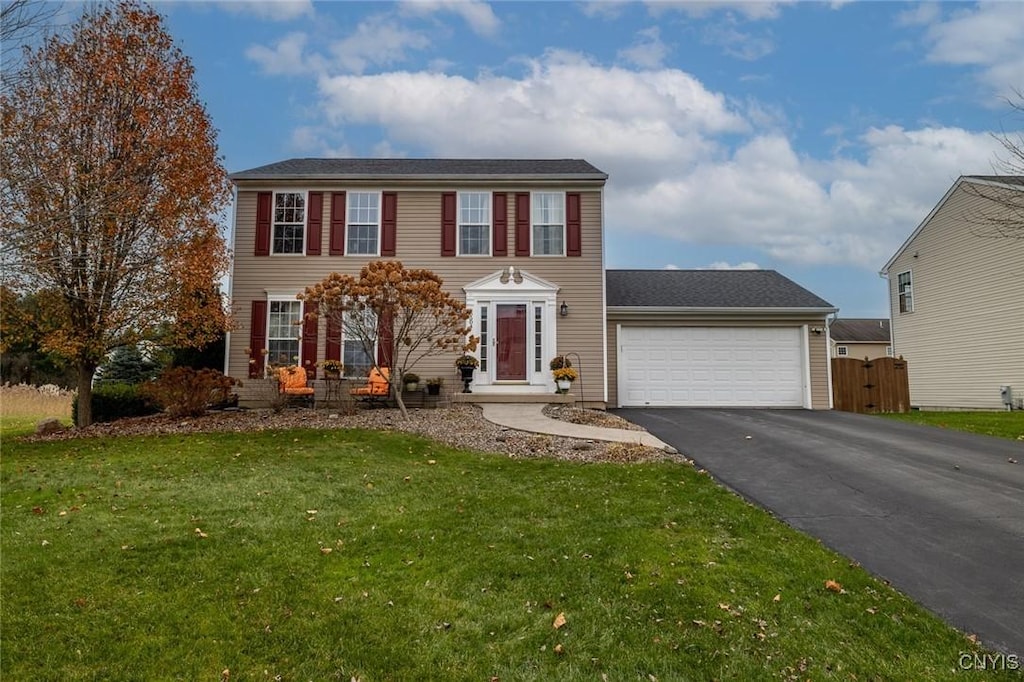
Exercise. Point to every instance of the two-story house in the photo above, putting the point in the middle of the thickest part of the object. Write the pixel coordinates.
(956, 292)
(520, 241)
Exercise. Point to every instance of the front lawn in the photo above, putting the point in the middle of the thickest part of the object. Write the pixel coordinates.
(1002, 424)
(321, 555)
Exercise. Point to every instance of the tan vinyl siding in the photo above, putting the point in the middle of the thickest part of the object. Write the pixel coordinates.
(816, 343)
(965, 336)
(861, 350)
(418, 245)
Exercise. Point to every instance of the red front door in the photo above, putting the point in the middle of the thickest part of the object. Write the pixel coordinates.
(511, 335)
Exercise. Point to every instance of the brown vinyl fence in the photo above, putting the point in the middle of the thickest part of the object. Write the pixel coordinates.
(879, 385)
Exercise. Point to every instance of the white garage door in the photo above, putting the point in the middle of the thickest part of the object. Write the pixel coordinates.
(711, 366)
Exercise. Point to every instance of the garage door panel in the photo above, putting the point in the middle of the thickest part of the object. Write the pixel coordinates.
(711, 366)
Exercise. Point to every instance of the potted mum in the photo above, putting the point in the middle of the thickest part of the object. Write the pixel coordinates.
(412, 381)
(332, 368)
(434, 386)
(564, 376)
(466, 364)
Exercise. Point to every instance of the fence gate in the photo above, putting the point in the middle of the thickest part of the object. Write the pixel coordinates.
(879, 385)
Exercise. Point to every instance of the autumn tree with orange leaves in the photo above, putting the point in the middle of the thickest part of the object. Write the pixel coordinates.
(399, 316)
(111, 183)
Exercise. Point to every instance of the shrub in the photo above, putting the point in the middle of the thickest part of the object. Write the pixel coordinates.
(111, 402)
(185, 392)
(127, 365)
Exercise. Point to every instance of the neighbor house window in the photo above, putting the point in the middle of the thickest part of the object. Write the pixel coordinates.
(289, 222)
(906, 291)
(841, 351)
(283, 332)
(363, 224)
(888, 351)
(474, 224)
(359, 342)
(548, 216)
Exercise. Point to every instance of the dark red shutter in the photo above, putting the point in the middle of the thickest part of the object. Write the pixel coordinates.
(314, 223)
(388, 224)
(337, 247)
(333, 349)
(523, 224)
(448, 223)
(257, 338)
(573, 236)
(499, 232)
(310, 324)
(263, 211)
(385, 339)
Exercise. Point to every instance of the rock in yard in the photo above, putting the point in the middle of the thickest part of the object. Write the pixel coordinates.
(47, 426)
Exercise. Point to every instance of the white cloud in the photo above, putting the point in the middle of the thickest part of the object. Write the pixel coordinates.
(603, 9)
(647, 51)
(286, 57)
(736, 43)
(478, 15)
(754, 9)
(723, 265)
(272, 10)
(377, 41)
(986, 36)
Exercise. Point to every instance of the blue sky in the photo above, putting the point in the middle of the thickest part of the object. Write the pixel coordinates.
(810, 138)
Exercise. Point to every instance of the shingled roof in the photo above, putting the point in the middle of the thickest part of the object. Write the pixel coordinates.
(330, 169)
(860, 330)
(708, 289)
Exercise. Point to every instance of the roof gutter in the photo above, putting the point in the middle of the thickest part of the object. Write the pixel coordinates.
(685, 310)
(432, 177)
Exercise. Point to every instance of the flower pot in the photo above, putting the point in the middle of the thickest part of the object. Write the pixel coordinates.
(412, 386)
(564, 385)
(332, 374)
(467, 376)
(433, 390)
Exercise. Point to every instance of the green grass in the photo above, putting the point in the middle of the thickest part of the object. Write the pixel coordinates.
(1002, 424)
(444, 565)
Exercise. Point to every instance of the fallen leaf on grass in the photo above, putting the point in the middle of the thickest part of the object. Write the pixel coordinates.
(872, 610)
(777, 598)
(559, 649)
(326, 550)
(38, 510)
(559, 620)
(431, 461)
(833, 586)
(199, 532)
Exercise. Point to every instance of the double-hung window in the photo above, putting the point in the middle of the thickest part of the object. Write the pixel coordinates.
(283, 329)
(289, 222)
(474, 224)
(359, 341)
(905, 289)
(363, 224)
(548, 223)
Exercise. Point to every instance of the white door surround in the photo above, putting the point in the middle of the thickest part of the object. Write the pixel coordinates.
(512, 286)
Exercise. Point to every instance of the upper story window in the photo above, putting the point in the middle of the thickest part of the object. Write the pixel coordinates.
(474, 224)
(905, 289)
(363, 224)
(888, 351)
(841, 351)
(289, 222)
(283, 332)
(548, 223)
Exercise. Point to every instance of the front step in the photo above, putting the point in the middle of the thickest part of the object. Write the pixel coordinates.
(546, 398)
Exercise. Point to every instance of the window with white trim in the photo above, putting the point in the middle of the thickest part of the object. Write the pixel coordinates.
(905, 289)
(842, 351)
(283, 330)
(289, 222)
(357, 356)
(474, 224)
(538, 338)
(362, 224)
(484, 337)
(548, 223)
(888, 351)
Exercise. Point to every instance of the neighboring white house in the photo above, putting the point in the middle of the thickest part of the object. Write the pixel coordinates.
(956, 294)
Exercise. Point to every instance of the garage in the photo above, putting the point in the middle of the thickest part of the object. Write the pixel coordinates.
(711, 367)
(715, 338)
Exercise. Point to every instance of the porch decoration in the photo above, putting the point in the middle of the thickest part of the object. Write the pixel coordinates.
(411, 381)
(434, 386)
(466, 364)
(332, 368)
(564, 376)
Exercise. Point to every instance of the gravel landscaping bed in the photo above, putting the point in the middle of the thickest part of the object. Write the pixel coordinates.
(460, 426)
(578, 415)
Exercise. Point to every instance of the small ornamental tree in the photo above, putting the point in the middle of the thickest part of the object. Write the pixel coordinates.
(399, 316)
(111, 188)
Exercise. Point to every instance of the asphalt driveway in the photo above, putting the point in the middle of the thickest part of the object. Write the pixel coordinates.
(938, 513)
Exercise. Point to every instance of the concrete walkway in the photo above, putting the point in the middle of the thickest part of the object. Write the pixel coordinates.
(530, 417)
